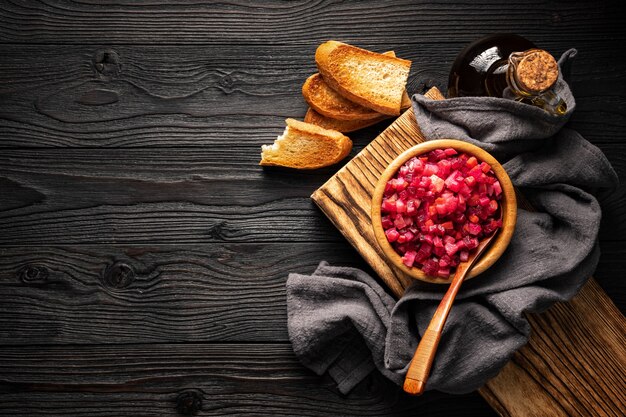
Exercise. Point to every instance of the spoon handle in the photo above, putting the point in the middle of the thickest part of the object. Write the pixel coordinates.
(422, 361)
(419, 368)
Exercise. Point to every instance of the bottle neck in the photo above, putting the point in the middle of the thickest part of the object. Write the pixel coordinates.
(531, 76)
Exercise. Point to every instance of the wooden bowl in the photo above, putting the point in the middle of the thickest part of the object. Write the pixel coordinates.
(508, 205)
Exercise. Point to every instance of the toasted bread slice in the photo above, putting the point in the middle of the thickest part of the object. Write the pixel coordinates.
(306, 146)
(375, 81)
(343, 126)
(406, 100)
(329, 103)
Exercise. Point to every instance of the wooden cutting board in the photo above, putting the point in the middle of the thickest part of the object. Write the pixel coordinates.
(575, 362)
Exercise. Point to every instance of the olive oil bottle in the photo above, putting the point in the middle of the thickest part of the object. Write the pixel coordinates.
(478, 69)
(490, 65)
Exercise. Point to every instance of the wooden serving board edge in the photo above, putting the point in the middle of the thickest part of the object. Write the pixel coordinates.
(373, 159)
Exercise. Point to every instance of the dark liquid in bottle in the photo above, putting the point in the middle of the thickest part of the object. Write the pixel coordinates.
(480, 68)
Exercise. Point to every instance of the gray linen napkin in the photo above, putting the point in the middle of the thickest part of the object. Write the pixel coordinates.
(342, 322)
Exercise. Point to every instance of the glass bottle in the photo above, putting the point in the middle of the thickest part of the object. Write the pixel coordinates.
(489, 65)
(478, 69)
(531, 76)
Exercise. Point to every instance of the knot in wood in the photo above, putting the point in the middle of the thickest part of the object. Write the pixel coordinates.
(107, 63)
(216, 230)
(188, 403)
(118, 275)
(227, 83)
(33, 273)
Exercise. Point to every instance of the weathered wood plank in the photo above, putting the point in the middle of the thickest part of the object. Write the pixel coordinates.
(229, 76)
(169, 196)
(158, 293)
(57, 196)
(108, 294)
(575, 369)
(300, 22)
(226, 96)
(228, 379)
(346, 198)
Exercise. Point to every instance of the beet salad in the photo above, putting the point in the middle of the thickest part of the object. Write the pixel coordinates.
(438, 207)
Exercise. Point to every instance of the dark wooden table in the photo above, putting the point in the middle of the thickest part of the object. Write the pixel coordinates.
(143, 252)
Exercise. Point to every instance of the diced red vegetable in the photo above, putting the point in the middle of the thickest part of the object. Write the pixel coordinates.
(386, 222)
(430, 169)
(392, 235)
(400, 205)
(438, 207)
(409, 257)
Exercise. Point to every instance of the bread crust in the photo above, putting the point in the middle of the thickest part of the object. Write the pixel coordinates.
(331, 55)
(343, 126)
(329, 103)
(340, 102)
(330, 147)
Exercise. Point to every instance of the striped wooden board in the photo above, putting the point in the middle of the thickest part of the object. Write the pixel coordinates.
(574, 363)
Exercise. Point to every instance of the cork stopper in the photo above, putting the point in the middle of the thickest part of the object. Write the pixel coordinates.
(537, 71)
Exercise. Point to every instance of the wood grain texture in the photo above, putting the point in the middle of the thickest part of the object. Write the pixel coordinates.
(228, 379)
(75, 294)
(346, 197)
(346, 200)
(574, 369)
(82, 196)
(219, 78)
(129, 196)
(78, 196)
(301, 22)
(228, 96)
(106, 294)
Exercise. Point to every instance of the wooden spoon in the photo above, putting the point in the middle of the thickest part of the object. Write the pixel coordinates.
(424, 355)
